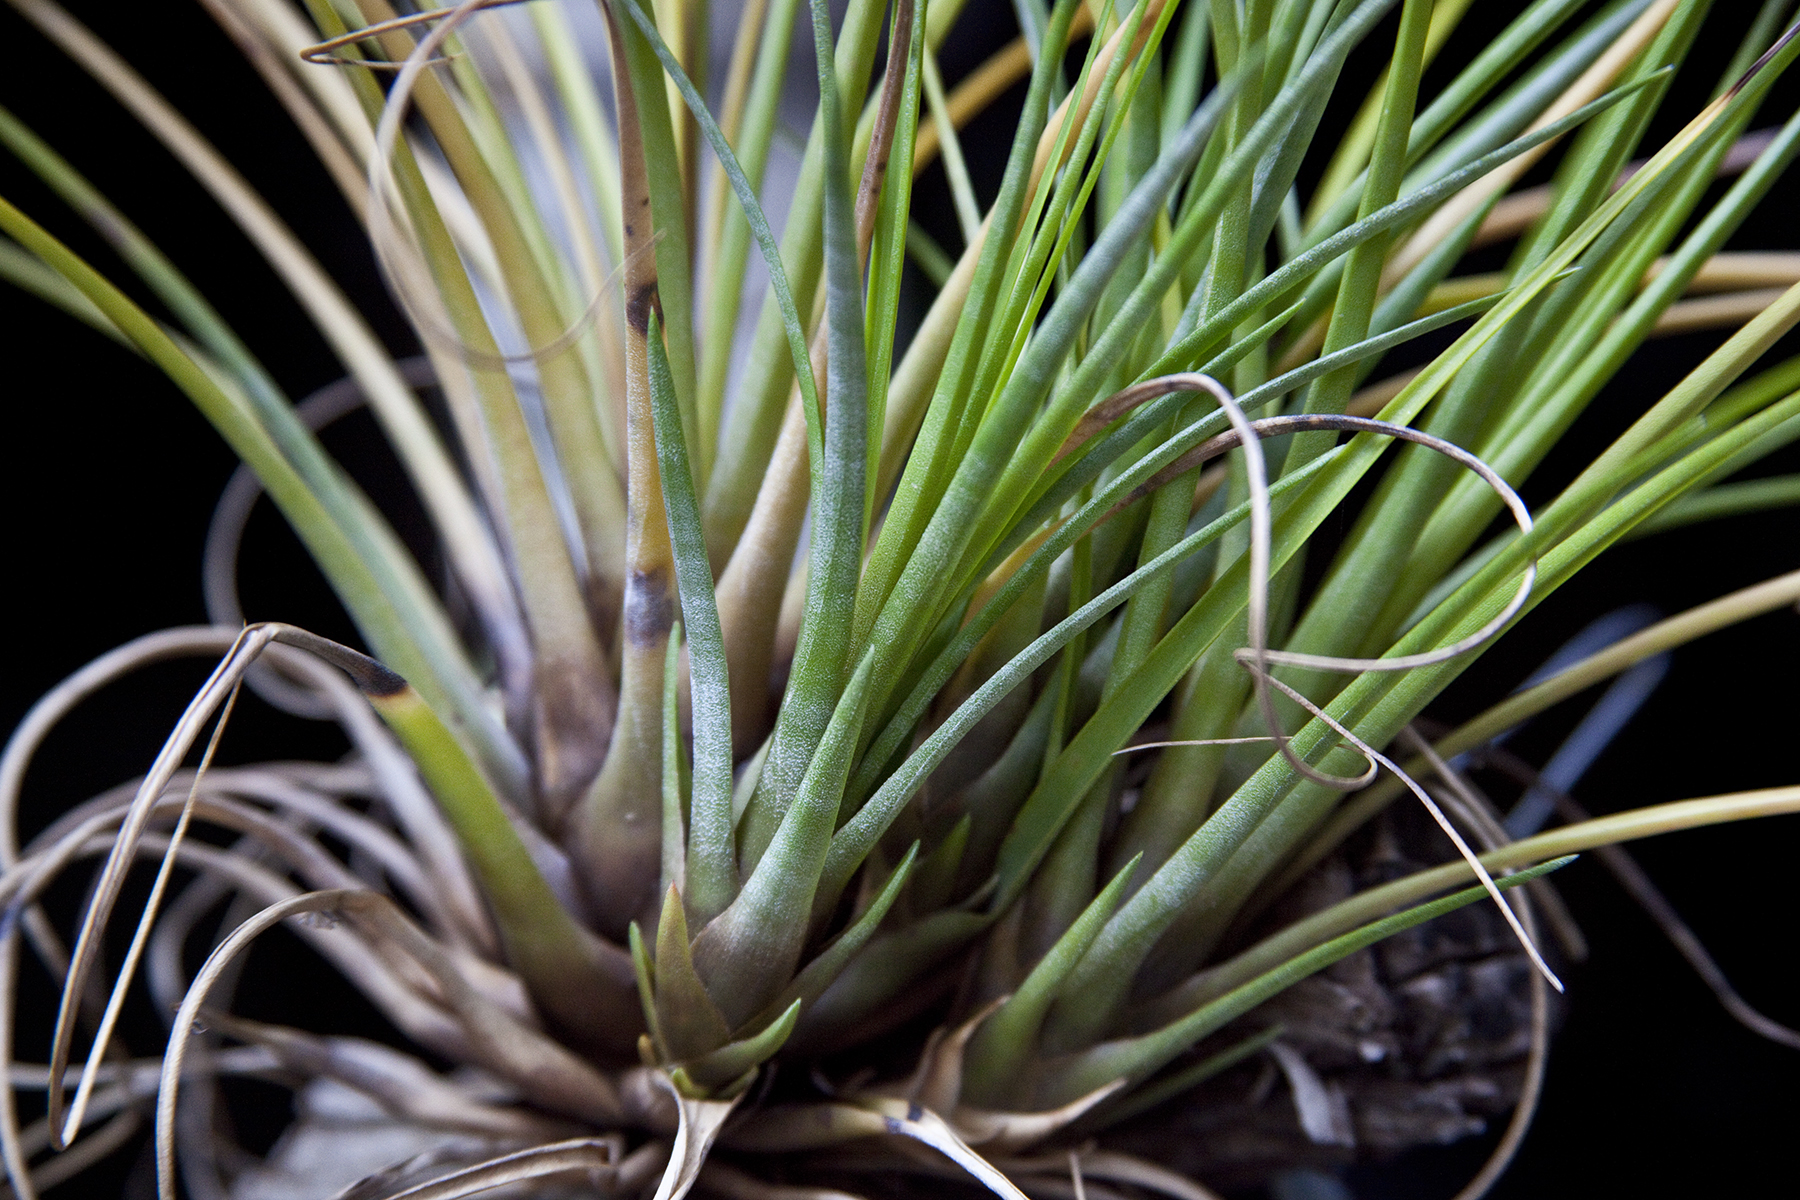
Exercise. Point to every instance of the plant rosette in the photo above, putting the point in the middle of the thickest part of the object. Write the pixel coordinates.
(847, 752)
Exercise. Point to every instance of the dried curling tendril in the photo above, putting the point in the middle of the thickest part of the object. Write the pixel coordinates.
(400, 259)
(217, 696)
(325, 53)
(1257, 658)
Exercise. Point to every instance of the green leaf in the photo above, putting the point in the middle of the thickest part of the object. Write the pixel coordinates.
(755, 415)
(931, 455)
(436, 660)
(887, 254)
(1552, 400)
(1133, 931)
(1165, 1088)
(1565, 537)
(839, 482)
(859, 835)
(711, 865)
(1538, 86)
(731, 1062)
(581, 983)
(829, 963)
(792, 325)
(749, 952)
(690, 1023)
(1400, 212)
(999, 1059)
(1138, 1057)
(884, 979)
(929, 576)
(674, 772)
(753, 138)
(674, 260)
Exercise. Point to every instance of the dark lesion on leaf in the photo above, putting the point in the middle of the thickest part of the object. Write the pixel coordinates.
(649, 607)
(372, 677)
(639, 305)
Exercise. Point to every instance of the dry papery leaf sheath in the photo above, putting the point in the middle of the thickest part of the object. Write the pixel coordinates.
(941, 725)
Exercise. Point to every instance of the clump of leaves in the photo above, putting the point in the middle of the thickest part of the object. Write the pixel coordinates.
(825, 683)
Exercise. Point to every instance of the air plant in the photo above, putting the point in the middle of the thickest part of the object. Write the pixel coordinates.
(958, 712)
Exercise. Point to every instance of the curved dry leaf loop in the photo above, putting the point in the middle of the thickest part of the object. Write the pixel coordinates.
(700, 1122)
(187, 1019)
(1008, 1132)
(1257, 658)
(598, 1157)
(401, 262)
(219, 691)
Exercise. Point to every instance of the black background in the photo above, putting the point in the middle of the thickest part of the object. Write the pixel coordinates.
(109, 477)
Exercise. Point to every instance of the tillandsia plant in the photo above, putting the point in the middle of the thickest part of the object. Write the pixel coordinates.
(988, 720)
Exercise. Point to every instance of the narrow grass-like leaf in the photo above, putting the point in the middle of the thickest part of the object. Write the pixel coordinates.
(587, 120)
(928, 575)
(379, 606)
(1564, 539)
(1184, 72)
(1136, 1058)
(1357, 291)
(688, 1021)
(1320, 928)
(825, 967)
(741, 186)
(674, 771)
(420, 450)
(919, 485)
(962, 192)
(1437, 139)
(26, 273)
(461, 124)
(711, 865)
(996, 1064)
(927, 255)
(1088, 753)
(1400, 212)
(573, 712)
(1162, 1089)
(582, 984)
(887, 252)
(614, 832)
(731, 1062)
(1725, 500)
(752, 138)
(1074, 394)
(664, 175)
(1560, 393)
(1116, 492)
(839, 467)
(859, 835)
(750, 951)
(1353, 152)
(1573, 679)
(1130, 431)
(753, 423)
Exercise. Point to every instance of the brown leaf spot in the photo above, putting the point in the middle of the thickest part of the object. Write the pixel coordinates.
(649, 609)
(639, 305)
